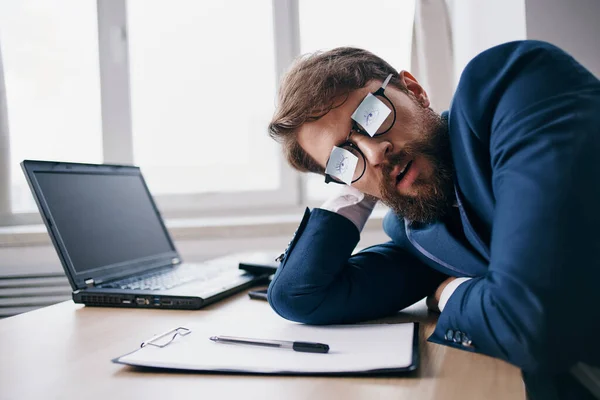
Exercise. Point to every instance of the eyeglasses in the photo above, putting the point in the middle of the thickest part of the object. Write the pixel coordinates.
(374, 117)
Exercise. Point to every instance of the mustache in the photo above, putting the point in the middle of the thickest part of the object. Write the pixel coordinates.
(433, 146)
(433, 194)
(402, 157)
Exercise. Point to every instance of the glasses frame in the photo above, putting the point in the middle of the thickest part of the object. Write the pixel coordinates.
(355, 128)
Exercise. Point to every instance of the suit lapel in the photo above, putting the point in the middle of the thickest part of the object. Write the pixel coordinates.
(439, 245)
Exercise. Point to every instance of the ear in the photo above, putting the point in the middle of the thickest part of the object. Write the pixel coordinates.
(413, 86)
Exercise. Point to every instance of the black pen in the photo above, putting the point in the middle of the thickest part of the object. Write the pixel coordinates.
(306, 347)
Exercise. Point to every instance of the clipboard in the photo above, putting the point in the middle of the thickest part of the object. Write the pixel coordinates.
(362, 349)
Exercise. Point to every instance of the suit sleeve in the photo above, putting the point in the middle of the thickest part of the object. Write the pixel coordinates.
(530, 308)
(320, 282)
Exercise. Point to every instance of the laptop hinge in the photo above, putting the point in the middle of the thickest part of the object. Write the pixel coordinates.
(89, 283)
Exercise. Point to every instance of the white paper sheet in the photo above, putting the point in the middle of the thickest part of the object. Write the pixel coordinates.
(353, 348)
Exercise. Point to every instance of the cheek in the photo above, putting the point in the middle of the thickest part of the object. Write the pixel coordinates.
(369, 184)
(407, 126)
(428, 168)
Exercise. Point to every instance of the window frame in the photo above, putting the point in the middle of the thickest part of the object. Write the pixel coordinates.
(117, 134)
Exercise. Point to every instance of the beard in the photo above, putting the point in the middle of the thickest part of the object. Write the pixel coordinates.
(434, 195)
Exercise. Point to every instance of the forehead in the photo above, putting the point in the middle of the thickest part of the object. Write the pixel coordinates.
(319, 137)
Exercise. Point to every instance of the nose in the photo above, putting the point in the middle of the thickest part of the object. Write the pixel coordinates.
(375, 149)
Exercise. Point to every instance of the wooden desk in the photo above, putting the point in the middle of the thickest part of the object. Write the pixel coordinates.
(64, 352)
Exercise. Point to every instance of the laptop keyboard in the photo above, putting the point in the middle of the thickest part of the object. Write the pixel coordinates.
(166, 280)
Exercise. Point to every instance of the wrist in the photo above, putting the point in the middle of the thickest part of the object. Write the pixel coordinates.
(441, 287)
(449, 288)
(352, 204)
(433, 300)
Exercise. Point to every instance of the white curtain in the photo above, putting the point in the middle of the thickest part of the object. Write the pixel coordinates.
(432, 60)
(4, 147)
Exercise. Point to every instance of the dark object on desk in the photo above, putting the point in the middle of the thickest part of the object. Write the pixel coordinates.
(260, 294)
(304, 347)
(114, 245)
(259, 263)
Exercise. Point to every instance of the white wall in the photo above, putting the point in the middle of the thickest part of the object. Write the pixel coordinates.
(480, 24)
(572, 25)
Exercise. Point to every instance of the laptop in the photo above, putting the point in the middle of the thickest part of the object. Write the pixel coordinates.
(113, 243)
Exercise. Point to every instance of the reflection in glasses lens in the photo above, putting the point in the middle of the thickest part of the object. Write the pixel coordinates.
(361, 165)
(389, 121)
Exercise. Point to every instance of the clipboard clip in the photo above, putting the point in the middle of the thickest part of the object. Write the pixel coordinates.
(163, 340)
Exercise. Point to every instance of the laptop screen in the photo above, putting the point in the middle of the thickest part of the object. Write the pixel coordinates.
(103, 219)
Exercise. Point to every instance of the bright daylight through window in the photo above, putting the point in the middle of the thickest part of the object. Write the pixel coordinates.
(202, 88)
(51, 73)
(202, 85)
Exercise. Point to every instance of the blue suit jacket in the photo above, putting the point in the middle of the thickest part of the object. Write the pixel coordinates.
(524, 127)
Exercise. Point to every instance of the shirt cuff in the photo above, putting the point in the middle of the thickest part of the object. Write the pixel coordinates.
(448, 290)
(351, 204)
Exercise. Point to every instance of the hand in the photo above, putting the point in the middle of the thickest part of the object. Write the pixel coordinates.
(348, 196)
(433, 300)
(352, 204)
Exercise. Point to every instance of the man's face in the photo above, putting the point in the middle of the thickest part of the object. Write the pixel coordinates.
(409, 168)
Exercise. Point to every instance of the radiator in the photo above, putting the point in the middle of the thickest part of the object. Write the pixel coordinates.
(19, 294)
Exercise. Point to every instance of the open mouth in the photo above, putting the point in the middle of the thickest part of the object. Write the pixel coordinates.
(403, 173)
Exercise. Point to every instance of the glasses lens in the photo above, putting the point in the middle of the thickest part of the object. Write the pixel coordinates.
(389, 121)
(360, 164)
(342, 164)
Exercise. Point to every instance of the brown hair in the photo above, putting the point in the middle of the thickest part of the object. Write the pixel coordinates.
(310, 89)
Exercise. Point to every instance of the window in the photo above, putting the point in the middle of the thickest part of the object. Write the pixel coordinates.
(202, 85)
(183, 88)
(383, 27)
(51, 75)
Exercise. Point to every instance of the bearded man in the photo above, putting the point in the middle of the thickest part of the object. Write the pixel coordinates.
(494, 205)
